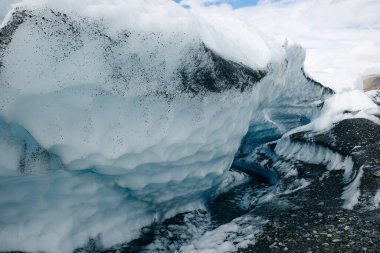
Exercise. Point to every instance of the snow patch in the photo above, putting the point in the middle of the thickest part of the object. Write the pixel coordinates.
(315, 154)
(374, 95)
(340, 106)
(376, 199)
(297, 185)
(351, 192)
(238, 234)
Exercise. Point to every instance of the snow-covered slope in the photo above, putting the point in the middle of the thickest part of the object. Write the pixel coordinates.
(106, 129)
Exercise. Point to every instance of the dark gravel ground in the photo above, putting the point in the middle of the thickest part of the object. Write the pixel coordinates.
(313, 229)
(315, 222)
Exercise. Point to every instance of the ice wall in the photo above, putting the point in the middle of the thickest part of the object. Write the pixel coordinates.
(286, 98)
(137, 120)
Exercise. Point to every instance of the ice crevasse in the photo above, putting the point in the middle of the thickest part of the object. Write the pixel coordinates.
(110, 121)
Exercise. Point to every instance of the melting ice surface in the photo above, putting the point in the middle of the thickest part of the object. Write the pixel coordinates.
(114, 117)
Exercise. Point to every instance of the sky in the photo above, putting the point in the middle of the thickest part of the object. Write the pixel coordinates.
(341, 37)
(233, 3)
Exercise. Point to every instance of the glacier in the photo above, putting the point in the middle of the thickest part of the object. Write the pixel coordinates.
(107, 127)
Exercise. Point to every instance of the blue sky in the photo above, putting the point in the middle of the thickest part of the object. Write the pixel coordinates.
(234, 3)
(240, 3)
(243, 3)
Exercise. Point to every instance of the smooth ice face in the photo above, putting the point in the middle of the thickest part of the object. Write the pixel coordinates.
(119, 129)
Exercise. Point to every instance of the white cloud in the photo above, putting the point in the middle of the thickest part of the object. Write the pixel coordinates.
(342, 37)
